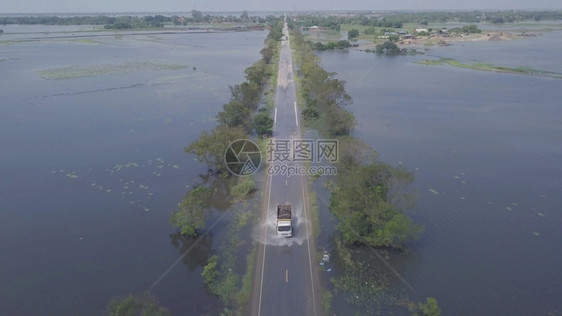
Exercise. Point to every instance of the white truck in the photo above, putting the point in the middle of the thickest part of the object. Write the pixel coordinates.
(284, 226)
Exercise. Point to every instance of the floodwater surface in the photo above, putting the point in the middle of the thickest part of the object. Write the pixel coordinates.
(485, 149)
(92, 132)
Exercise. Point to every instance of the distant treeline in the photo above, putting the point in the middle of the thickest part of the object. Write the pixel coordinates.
(198, 17)
(154, 21)
(126, 22)
(397, 19)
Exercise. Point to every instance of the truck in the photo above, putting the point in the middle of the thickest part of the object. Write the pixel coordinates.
(284, 225)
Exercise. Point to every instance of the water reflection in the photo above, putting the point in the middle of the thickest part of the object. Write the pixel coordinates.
(202, 249)
(220, 188)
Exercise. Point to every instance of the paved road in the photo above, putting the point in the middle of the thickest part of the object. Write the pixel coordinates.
(285, 279)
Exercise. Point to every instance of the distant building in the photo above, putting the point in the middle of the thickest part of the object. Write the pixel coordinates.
(421, 31)
(316, 28)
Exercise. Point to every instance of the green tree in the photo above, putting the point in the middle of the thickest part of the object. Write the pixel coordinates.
(211, 146)
(210, 272)
(340, 121)
(310, 113)
(472, 28)
(331, 45)
(275, 34)
(319, 46)
(244, 16)
(258, 73)
(467, 29)
(267, 54)
(352, 34)
(197, 15)
(388, 48)
(365, 199)
(332, 92)
(190, 215)
(235, 114)
(263, 124)
(248, 94)
(430, 308)
(343, 44)
(145, 305)
(371, 30)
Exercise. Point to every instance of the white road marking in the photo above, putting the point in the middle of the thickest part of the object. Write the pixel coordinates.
(296, 115)
(275, 117)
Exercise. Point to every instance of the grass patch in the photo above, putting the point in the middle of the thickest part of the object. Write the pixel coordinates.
(243, 187)
(314, 212)
(327, 297)
(245, 292)
(489, 67)
(324, 35)
(430, 43)
(104, 69)
(270, 93)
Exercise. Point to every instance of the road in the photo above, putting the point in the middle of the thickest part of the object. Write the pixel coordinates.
(286, 278)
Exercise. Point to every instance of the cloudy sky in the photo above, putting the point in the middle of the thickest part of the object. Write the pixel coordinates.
(85, 6)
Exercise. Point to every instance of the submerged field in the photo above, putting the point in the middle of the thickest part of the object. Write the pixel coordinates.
(104, 69)
(490, 67)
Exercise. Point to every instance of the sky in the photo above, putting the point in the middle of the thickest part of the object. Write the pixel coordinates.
(90, 6)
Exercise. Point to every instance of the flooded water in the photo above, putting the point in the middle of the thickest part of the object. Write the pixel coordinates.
(486, 150)
(92, 132)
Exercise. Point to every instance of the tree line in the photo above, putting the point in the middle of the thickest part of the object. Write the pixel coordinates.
(199, 17)
(244, 116)
(398, 19)
(365, 192)
(110, 21)
(324, 96)
(149, 21)
(240, 118)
